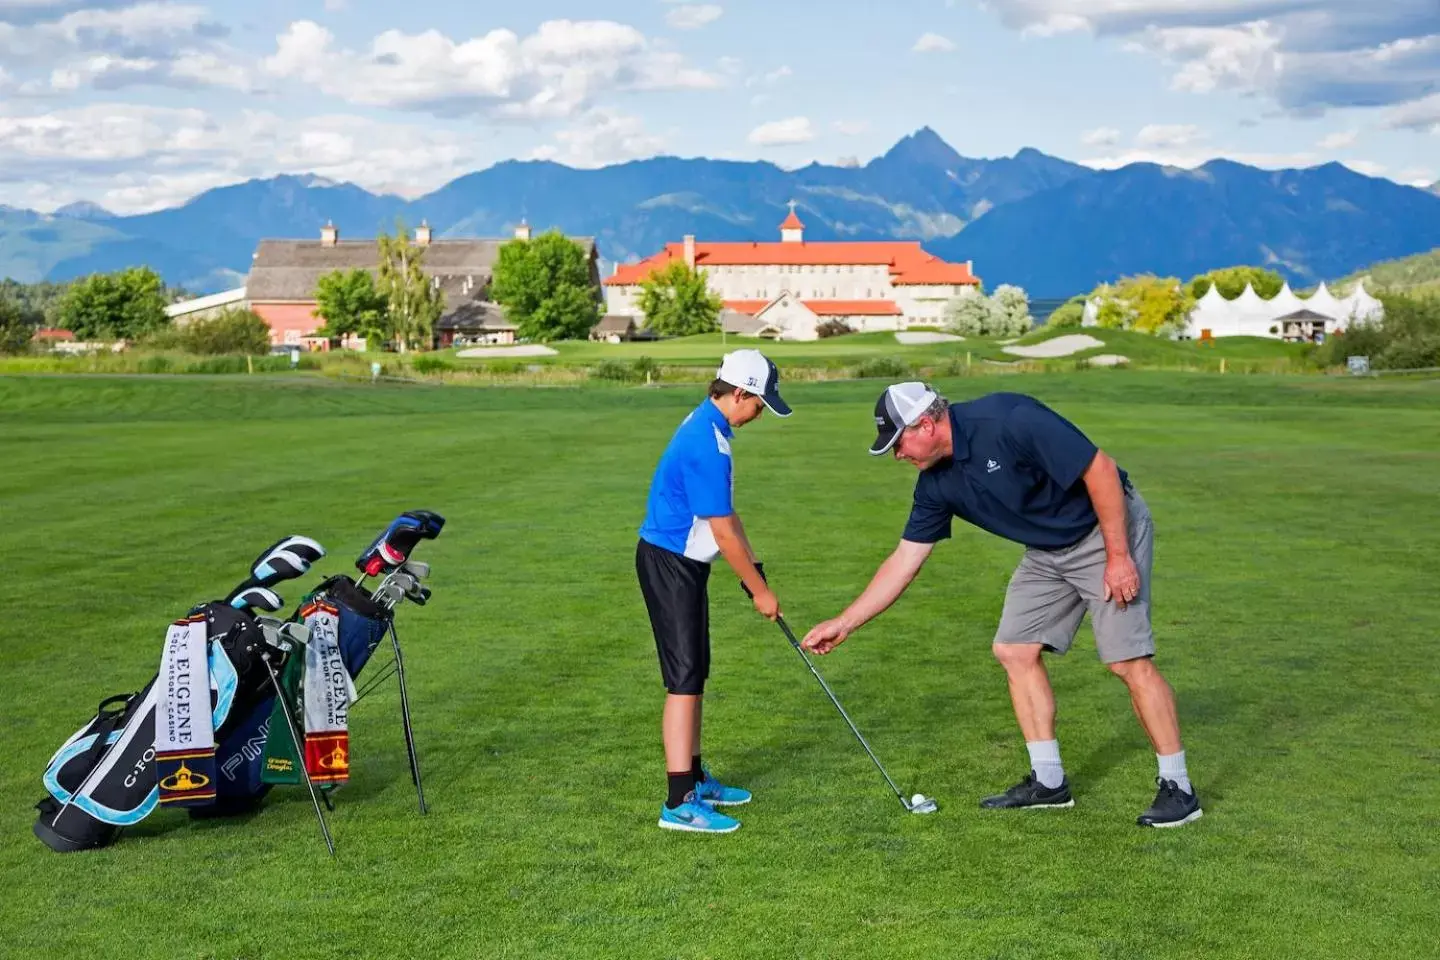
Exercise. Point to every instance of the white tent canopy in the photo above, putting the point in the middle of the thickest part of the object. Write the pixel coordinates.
(1251, 315)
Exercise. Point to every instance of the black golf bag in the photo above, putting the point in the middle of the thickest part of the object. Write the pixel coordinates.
(104, 777)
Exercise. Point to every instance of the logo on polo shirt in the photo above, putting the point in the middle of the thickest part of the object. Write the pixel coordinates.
(991, 466)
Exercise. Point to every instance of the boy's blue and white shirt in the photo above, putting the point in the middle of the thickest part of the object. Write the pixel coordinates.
(693, 481)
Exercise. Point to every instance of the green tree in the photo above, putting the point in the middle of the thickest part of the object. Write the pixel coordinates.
(414, 302)
(349, 303)
(15, 328)
(1158, 305)
(974, 315)
(1232, 280)
(1145, 303)
(230, 331)
(1014, 307)
(125, 305)
(677, 301)
(544, 285)
(1071, 313)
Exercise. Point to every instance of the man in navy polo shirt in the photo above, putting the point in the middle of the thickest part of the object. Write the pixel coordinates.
(690, 519)
(1010, 465)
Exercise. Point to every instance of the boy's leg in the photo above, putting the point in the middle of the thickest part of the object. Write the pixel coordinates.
(676, 598)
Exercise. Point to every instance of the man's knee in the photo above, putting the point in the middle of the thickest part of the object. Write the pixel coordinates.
(1137, 670)
(1014, 656)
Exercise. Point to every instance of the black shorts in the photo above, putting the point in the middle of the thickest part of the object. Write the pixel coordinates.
(676, 594)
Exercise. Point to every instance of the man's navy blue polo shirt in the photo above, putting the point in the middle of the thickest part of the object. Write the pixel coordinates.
(1016, 471)
(693, 482)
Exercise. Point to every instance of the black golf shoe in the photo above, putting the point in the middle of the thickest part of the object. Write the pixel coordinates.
(1031, 793)
(1173, 807)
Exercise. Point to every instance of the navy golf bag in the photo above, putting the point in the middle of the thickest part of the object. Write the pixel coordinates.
(104, 777)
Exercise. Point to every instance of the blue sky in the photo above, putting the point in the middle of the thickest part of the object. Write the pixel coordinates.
(139, 105)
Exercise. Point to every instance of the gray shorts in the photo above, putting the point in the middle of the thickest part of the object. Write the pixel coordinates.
(1051, 590)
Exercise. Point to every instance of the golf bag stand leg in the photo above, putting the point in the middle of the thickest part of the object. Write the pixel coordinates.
(405, 718)
(296, 739)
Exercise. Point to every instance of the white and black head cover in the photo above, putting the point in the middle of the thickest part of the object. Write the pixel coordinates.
(899, 407)
(753, 371)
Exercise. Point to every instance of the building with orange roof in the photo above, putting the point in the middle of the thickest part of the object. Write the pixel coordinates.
(792, 287)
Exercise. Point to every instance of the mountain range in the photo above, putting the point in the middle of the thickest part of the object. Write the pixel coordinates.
(1052, 226)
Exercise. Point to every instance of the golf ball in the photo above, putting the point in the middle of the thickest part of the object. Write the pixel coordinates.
(917, 799)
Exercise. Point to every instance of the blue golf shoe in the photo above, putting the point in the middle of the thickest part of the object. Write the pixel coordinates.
(716, 794)
(696, 816)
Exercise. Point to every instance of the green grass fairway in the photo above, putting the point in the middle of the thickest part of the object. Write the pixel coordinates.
(1296, 612)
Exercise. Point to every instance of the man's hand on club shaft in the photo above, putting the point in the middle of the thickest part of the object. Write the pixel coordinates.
(824, 637)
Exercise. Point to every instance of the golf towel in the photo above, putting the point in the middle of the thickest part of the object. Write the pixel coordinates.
(184, 734)
(327, 694)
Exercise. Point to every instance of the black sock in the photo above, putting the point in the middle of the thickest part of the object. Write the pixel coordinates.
(680, 784)
(696, 770)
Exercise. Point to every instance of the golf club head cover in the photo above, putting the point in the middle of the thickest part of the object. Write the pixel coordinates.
(257, 598)
(285, 559)
(393, 546)
(760, 569)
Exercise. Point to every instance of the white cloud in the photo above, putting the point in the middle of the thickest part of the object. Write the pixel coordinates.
(1211, 58)
(1055, 24)
(851, 128)
(933, 43)
(786, 132)
(1100, 137)
(131, 158)
(1420, 115)
(692, 16)
(335, 6)
(148, 43)
(556, 72)
(601, 137)
(20, 12)
(1338, 140)
(1168, 136)
(770, 77)
(1305, 55)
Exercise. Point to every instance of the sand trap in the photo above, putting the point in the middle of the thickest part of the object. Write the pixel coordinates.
(1107, 360)
(1057, 346)
(524, 350)
(924, 336)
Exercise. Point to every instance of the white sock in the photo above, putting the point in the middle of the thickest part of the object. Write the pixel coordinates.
(1172, 767)
(1045, 761)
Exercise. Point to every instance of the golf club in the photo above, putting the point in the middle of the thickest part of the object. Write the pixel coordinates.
(919, 803)
(285, 559)
(257, 598)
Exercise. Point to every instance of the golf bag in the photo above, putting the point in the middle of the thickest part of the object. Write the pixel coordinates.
(104, 778)
(112, 773)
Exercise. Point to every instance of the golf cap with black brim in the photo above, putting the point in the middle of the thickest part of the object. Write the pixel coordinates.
(753, 371)
(898, 407)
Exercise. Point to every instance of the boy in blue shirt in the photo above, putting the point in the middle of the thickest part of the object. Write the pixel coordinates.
(690, 519)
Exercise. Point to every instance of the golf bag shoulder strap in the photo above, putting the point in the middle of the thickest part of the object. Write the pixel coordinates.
(107, 718)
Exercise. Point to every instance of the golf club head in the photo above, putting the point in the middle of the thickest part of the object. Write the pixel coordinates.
(921, 804)
(394, 545)
(285, 559)
(257, 598)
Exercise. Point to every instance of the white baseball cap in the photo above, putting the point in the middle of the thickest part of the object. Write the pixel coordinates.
(751, 370)
(898, 407)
